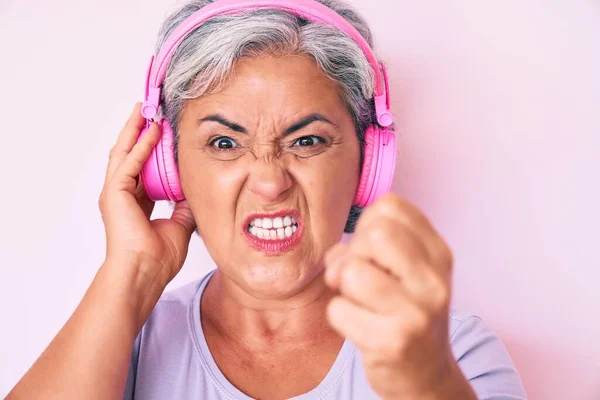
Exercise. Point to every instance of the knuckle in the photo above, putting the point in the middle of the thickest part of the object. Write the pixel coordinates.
(102, 200)
(439, 293)
(397, 345)
(354, 271)
(442, 256)
(381, 231)
(390, 203)
(335, 252)
(114, 152)
(420, 322)
(446, 255)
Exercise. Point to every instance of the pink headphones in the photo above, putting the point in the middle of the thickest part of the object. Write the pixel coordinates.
(159, 173)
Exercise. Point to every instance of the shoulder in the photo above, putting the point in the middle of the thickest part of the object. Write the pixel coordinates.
(171, 306)
(483, 358)
(164, 344)
(171, 314)
(175, 301)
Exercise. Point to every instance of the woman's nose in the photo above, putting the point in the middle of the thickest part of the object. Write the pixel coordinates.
(269, 181)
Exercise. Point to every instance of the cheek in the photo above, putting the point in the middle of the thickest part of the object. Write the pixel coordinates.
(329, 186)
(211, 185)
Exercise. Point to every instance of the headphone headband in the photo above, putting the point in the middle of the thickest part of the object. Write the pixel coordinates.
(307, 9)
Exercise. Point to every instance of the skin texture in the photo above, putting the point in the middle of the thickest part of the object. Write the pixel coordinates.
(268, 172)
(388, 290)
(257, 302)
(394, 284)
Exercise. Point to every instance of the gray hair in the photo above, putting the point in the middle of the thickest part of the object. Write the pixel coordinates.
(204, 59)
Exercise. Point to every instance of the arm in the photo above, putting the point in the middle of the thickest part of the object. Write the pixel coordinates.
(482, 368)
(394, 280)
(89, 357)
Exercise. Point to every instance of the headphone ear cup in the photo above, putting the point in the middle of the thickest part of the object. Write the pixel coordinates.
(170, 170)
(367, 175)
(159, 173)
(379, 165)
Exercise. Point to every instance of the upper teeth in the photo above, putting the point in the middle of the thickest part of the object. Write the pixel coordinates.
(268, 223)
(273, 228)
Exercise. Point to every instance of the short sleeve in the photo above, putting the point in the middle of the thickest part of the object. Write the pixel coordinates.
(485, 362)
(129, 393)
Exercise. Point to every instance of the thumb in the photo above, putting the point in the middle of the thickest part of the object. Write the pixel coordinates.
(182, 214)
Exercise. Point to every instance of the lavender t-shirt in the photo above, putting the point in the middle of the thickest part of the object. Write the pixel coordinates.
(171, 359)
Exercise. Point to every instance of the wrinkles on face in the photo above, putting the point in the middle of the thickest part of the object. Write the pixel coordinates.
(277, 137)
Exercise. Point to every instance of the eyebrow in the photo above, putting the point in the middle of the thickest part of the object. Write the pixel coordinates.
(301, 124)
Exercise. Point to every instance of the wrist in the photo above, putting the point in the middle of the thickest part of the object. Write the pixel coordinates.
(453, 386)
(137, 283)
(450, 385)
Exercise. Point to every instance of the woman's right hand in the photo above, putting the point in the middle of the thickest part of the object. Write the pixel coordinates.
(159, 246)
(89, 358)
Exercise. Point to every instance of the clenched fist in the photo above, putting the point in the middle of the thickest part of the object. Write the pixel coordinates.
(394, 284)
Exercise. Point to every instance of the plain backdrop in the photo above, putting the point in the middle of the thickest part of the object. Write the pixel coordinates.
(498, 105)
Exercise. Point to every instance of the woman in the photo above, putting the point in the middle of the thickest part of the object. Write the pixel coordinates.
(269, 113)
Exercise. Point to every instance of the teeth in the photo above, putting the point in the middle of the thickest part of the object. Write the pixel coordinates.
(273, 229)
(273, 223)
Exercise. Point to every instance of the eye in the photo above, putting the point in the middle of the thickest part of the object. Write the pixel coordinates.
(307, 141)
(224, 143)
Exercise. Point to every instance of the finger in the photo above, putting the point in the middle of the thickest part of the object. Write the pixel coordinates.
(401, 253)
(391, 246)
(143, 200)
(394, 207)
(426, 237)
(364, 328)
(126, 140)
(129, 169)
(367, 285)
(333, 259)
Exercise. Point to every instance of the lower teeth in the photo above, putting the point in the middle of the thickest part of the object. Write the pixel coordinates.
(272, 234)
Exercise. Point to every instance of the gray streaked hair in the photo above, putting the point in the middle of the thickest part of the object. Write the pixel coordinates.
(204, 59)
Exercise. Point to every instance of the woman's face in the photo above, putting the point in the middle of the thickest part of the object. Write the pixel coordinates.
(269, 166)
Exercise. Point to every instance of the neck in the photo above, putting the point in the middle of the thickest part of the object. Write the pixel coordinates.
(241, 317)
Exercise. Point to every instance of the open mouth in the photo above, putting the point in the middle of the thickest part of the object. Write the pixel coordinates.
(278, 228)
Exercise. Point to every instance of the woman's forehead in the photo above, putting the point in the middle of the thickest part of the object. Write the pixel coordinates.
(290, 85)
(291, 75)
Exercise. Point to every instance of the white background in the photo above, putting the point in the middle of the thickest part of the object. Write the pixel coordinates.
(499, 109)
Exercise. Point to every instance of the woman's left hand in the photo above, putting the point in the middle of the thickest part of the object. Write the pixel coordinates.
(394, 280)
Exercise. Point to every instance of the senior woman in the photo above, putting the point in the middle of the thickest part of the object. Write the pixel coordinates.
(270, 113)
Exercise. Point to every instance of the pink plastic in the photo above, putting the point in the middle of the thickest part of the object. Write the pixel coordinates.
(159, 173)
(386, 166)
(379, 165)
(308, 9)
(368, 170)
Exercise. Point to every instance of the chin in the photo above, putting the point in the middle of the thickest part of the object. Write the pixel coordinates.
(276, 279)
